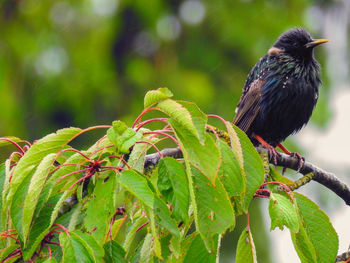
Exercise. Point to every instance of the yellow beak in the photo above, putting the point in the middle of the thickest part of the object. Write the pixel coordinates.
(316, 42)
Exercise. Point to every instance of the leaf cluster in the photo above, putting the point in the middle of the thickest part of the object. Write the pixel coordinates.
(177, 211)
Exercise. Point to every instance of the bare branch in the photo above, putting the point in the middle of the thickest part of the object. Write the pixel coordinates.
(327, 179)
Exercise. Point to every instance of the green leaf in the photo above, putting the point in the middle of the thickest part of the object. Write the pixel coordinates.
(122, 136)
(50, 260)
(100, 208)
(253, 167)
(197, 252)
(49, 144)
(137, 156)
(316, 234)
(80, 247)
(146, 250)
(16, 210)
(205, 157)
(137, 184)
(199, 118)
(283, 212)
(245, 248)
(179, 114)
(161, 211)
(173, 184)
(131, 232)
(155, 96)
(36, 185)
(235, 143)
(230, 171)
(215, 212)
(40, 226)
(114, 253)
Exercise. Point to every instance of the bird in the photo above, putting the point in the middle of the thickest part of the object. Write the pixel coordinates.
(280, 92)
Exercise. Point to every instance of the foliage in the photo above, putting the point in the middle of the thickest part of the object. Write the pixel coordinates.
(177, 211)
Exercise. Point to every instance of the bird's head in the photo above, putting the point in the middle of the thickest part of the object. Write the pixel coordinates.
(298, 43)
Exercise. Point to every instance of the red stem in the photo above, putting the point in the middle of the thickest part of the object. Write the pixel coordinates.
(81, 179)
(140, 125)
(218, 117)
(14, 143)
(121, 159)
(165, 134)
(49, 249)
(140, 116)
(213, 131)
(63, 228)
(75, 172)
(90, 129)
(73, 150)
(145, 224)
(155, 147)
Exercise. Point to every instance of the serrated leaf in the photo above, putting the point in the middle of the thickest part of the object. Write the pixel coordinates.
(155, 96)
(215, 212)
(199, 118)
(16, 210)
(230, 171)
(137, 156)
(131, 232)
(173, 184)
(198, 253)
(235, 143)
(179, 114)
(246, 252)
(100, 208)
(114, 253)
(49, 144)
(80, 247)
(137, 184)
(122, 136)
(253, 167)
(156, 246)
(36, 185)
(283, 213)
(162, 212)
(316, 234)
(205, 157)
(40, 227)
(146, 250)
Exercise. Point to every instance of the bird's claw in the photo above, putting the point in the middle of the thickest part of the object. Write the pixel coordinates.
(301, 159)
(272, 154)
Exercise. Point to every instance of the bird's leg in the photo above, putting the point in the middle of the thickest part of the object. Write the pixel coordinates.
(272, 151)
(301, 159)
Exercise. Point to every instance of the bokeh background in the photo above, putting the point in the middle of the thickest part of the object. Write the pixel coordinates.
(82, 63)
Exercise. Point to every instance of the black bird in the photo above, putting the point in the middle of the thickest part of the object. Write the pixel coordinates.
(281, 91)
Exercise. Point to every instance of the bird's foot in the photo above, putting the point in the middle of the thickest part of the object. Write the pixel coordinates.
(271, 150)
(300, 158)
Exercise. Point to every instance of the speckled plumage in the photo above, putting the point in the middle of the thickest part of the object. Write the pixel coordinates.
(281, 90)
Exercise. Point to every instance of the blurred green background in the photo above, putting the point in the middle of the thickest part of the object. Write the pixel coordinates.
(83, 63)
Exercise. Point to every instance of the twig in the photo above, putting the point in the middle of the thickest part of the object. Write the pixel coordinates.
(327, 179)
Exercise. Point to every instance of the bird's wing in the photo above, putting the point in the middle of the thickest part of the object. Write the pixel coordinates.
(249, 105)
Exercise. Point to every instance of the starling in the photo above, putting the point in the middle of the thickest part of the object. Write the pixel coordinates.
(281, 91)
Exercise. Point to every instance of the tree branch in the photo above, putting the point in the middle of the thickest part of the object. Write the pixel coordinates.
(327, 179)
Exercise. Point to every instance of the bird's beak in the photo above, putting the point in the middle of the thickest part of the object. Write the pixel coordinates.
(316, 43)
